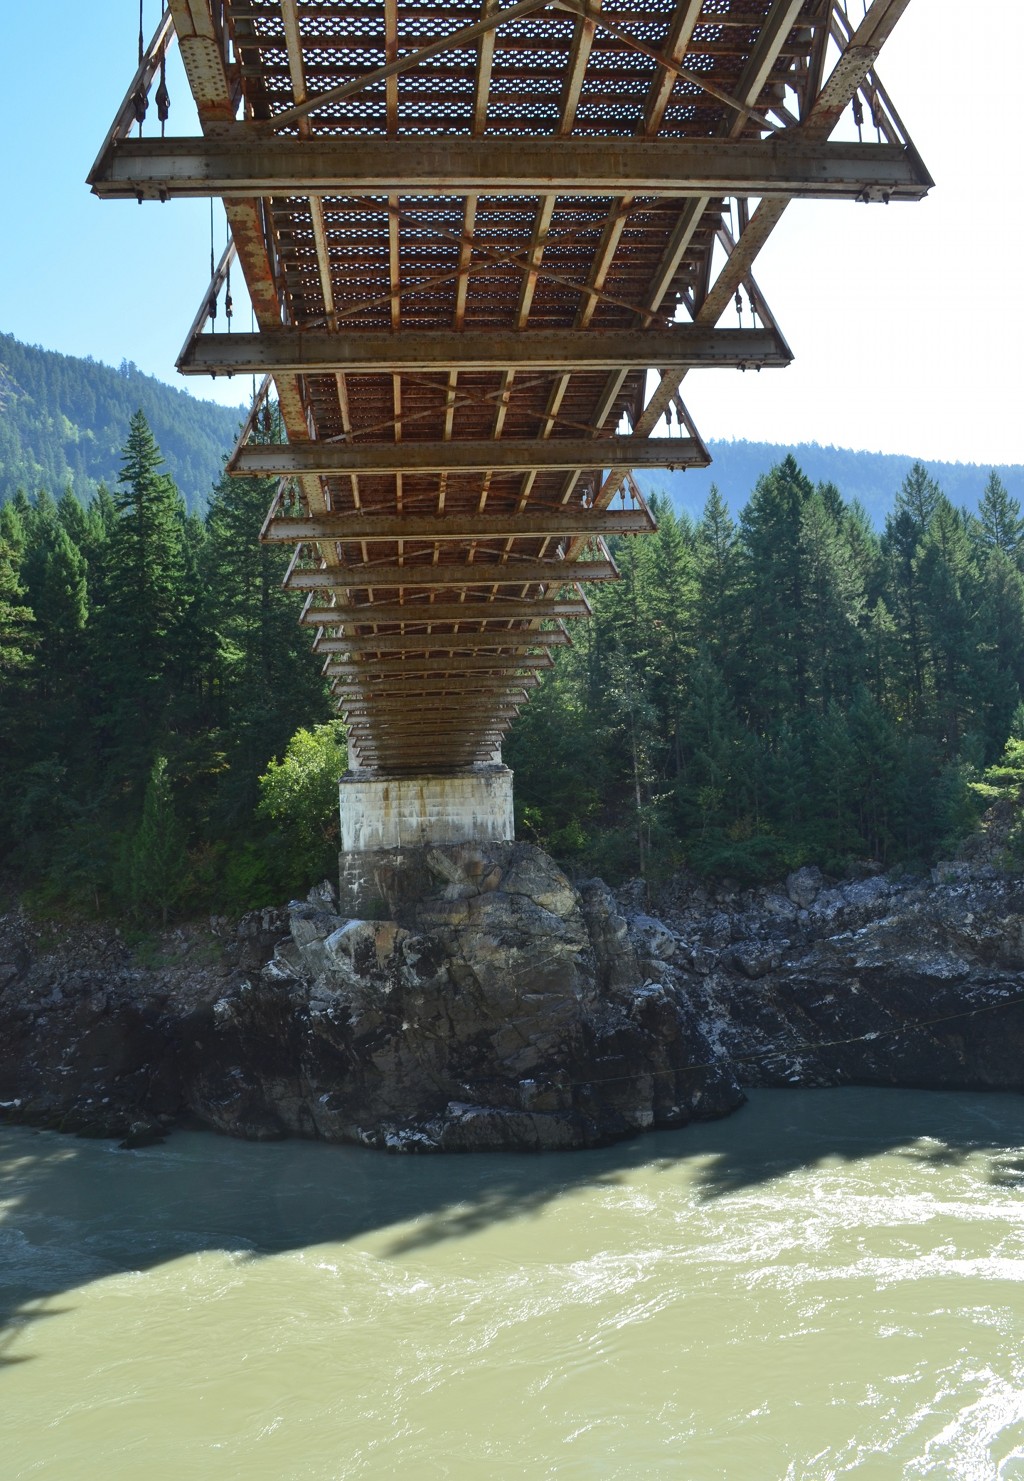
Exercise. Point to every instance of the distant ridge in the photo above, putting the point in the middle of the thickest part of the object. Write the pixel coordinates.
(873, 478)
(63, 420)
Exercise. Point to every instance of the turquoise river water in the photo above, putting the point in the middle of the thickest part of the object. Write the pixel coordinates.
(828, 1283)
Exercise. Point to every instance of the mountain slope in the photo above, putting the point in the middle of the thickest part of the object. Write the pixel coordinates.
(64, 420)
(872, 478)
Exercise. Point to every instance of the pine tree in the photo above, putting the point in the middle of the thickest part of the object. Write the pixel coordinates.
(156, 861)
(268, 680)
(716, 569)
(777, 641)
(999, 524)
(73, 518)
(17, 644)
(137, 634)
(834, 606)
(711, 788)
(1001, 634)
(17, 639)
(61, 605)
(951, 596)
(918, 498)
(875, 776)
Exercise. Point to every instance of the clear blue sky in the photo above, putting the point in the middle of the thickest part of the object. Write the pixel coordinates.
(906, 320)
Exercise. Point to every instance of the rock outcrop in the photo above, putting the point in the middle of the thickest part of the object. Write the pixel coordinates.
(499, 1007)
(902, 982)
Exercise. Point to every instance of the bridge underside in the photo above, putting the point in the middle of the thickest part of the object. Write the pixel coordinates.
(470, 233)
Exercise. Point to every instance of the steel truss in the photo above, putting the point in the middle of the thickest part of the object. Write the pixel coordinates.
(469, 232)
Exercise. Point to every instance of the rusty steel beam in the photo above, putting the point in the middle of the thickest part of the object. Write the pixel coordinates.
(235, 164)
(447, 689)
(267, 460)
(401, 666)
(512, 573)
(431, 642)
(485, 717)
(369, 352)
(419, 614)
(439, 727)
(535, 523)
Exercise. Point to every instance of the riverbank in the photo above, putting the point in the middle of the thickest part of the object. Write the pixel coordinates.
(498, 1007)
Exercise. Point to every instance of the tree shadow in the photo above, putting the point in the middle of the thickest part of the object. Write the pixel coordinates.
(788, 1132)
(76, 1211)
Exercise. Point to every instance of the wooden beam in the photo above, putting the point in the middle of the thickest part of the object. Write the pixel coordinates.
(369, 352)
(399, 709)
(534, 523)
(424, 642)
(449, 688)
(438, 725)
(431, 719)
(400, 668)
(236, 163)
(480, 717)
(417, 614)
(511, 573)
(267, 460)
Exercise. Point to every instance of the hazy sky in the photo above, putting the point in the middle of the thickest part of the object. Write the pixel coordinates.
(905, 320)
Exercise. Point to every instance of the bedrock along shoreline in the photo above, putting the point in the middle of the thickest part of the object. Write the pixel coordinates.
(500, 1007)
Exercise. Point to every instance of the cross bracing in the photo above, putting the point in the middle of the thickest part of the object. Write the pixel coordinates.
(470, 232)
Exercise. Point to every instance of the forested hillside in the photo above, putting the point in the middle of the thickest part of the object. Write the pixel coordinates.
(753, 694)
(151, 669)
(64, 421)
(789, 687)
(870, 478)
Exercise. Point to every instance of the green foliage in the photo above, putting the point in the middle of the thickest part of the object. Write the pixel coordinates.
(154, 862)
(749, 696)
(65, 421)
(792, 689)
(299, 798)
(1003, 782)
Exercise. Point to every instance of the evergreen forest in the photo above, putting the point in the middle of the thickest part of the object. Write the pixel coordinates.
(64, 420)
(787, 687)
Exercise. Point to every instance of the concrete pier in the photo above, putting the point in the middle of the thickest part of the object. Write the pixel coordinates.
(382, 817)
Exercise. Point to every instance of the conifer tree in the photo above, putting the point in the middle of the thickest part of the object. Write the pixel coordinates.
(156, 860)
(17, 643)
(776, 643)
(918, 498)
(951, 591)
(268, 679)
(1000, 525)
(16, 618)
(144, 599)
(716, 570)
(834, 605)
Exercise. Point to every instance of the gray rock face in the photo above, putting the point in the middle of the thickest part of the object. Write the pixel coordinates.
(879, 981)
(499, 1007)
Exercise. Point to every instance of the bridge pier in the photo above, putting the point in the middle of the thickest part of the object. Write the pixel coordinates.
(383, 817)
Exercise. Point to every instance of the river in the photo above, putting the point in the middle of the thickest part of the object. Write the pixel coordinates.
(828, 1282)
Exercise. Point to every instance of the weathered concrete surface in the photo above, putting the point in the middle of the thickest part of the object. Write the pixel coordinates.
(408, 811)
(385, 821)
(495, 1006)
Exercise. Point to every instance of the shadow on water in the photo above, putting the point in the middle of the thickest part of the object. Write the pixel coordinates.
(72, 1212)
